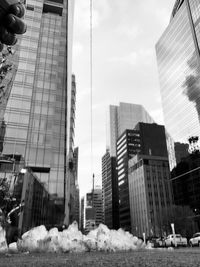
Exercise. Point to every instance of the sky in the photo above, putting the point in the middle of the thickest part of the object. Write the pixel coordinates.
(124, 69)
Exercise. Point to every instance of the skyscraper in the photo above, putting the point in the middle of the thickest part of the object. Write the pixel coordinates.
(110, 191)
(128, 145)
(37, 115)
(93, 209)
(122, 117)
(150, 194)
(178, 59)
(145, 139)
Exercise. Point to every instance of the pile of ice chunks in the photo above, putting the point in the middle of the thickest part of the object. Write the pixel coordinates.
(38, 239)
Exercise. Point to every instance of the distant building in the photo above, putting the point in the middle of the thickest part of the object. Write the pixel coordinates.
(122, 117)
(93, 209)
(149, 194)
(152, 139)
(145, 139)
(181, 151)
(90, 214)
(72, 194)
(128, 145)
(178, 60)
(82, 214)
(110, 191)
(186, 184)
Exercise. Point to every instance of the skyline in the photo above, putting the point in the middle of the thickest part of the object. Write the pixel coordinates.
(124, 70)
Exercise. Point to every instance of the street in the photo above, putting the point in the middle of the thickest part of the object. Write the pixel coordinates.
(181, 257)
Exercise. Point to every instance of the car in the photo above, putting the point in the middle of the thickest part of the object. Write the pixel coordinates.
(156, 241)
(195, 240)
(160, 242)
(177, 240)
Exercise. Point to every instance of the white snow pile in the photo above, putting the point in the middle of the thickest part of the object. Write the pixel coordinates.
(72, 240)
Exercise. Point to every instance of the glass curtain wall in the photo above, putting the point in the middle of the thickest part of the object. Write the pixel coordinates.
(179, 72)
(37, 112)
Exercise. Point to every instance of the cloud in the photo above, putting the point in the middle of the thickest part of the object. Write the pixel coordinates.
(128, 31)
(143, 56)
(130, 59)
(100, 11)
(157, 115)
(82, 94)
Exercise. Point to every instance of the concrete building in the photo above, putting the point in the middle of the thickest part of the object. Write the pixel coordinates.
(149, 194)
(110, 191)
(181, 151)
(93, 209)
(178, 60)
(37, 114)
(145, 139)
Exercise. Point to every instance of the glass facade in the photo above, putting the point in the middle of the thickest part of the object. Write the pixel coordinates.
(122, 117)
(179, 72)
(38, 111)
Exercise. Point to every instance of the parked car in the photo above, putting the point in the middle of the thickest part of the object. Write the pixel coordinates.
(195, 240)
(156, 241)
(170, 241)
(160, 242)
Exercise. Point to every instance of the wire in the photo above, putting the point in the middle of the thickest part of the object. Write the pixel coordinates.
(91, 86)
(184, 174)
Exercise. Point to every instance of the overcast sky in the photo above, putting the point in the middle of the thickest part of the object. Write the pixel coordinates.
(124, 69)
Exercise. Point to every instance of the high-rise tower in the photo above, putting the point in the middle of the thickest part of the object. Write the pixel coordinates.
(122, 117)
(37, 114)
(178, 59)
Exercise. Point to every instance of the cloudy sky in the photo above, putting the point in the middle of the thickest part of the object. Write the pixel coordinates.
(124, 69)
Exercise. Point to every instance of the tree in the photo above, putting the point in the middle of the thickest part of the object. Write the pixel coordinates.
(183, 219)
(6, 200)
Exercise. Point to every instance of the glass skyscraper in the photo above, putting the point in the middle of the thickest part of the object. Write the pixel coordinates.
(122, 117)
(37, 115)
(178, 59)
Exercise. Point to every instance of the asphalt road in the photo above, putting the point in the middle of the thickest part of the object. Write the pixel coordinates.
(144, 258)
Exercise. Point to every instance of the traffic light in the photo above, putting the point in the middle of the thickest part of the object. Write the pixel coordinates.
(11, 22)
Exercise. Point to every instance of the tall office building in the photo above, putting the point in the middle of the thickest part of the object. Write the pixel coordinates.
(37, 114)
(72, 195)
(122, 117)
(93, 209)
(82, 214)
(145, 139)
(181, 151)
(128, 145)
(178, 60)
(150, 194)
(110, 191)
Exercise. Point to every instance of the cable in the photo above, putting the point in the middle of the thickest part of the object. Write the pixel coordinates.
(184, 174)
(91, 87)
